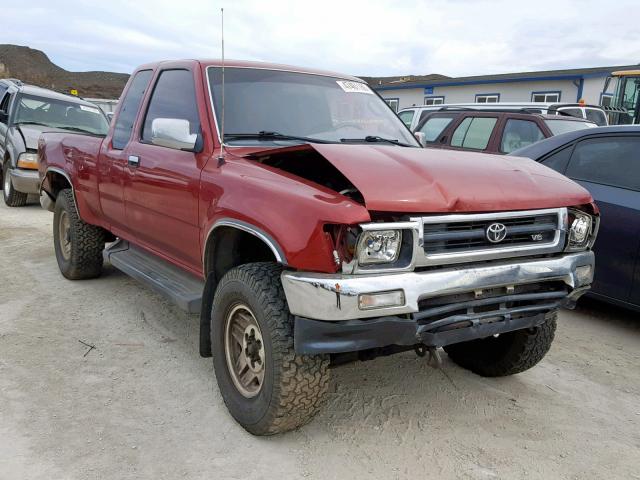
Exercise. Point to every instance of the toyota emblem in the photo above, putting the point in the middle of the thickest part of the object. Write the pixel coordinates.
(496, 232)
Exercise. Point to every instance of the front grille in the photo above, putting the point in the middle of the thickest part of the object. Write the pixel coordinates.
(468, 237)
(472, 234)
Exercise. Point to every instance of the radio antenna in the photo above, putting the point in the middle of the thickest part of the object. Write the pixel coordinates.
(221, 157)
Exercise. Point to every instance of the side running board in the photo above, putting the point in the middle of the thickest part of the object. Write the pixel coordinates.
(182, 288)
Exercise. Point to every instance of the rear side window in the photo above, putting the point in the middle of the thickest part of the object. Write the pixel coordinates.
(4, 105)
(596, 116)
(474, 133)
(574, 112)
(3, 89)
(174, 96)
(407, 117)
(433, 127)
(613, 161)
(129, 109)
(563, 126)
(518, 134)
(558, 160)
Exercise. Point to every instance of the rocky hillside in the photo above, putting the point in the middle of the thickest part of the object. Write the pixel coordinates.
(34, 67)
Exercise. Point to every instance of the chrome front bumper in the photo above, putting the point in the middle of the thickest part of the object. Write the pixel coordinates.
(335, 297)
(25, 181)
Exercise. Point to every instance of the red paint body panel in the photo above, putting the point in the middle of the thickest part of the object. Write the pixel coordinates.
(424, 180)
(171, 202)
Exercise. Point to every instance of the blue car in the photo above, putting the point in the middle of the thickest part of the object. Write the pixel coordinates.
(606, 161)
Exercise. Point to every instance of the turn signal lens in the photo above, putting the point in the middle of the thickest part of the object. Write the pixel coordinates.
(28, 161)
(368, 301)
(584, 275)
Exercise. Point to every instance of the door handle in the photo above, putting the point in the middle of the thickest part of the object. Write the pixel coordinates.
(134, 160)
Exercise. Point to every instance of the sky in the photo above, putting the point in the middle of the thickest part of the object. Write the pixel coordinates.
(372, 38)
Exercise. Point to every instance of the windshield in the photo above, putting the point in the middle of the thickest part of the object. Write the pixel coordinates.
(60, 114)
(563, 126)
(302, 105)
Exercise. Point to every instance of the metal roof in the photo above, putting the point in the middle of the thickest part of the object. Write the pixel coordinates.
(381, 83)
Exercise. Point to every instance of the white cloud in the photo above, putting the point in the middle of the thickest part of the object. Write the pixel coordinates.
(378, 37)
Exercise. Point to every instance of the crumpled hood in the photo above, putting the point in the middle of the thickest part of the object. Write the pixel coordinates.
(31, 133)
(397, 179)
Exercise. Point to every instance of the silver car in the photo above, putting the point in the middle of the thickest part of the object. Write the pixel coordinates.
(25, 112)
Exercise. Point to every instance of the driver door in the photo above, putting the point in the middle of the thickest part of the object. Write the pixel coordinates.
(162, 184)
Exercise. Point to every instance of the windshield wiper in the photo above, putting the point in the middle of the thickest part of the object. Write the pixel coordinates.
(76, 129)
(264, 135)
(31, 123)
(375, 139)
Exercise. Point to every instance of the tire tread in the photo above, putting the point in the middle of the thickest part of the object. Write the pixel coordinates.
(87, 242)
(524, 350)
(301, 381)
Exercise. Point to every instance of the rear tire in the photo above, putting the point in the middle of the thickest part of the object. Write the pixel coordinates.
(289, 388)
(12, 198)
(78, 245)
(508, 354)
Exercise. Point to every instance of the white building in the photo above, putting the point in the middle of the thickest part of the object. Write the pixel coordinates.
(568, 86)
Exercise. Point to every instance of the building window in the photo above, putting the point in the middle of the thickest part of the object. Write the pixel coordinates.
(487, 98)
(393, 103)
(433, 100)
(545, 97)
(606, 99)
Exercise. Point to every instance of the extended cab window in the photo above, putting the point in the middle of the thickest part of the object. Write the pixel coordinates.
(129, 109)
(518, 134)
(474, 133)
(613, 161)
(174, 96)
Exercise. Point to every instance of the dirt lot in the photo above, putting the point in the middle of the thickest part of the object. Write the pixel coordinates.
(143, 404)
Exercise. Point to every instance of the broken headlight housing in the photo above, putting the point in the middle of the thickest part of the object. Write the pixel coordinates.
(581, 230)
(379, 246)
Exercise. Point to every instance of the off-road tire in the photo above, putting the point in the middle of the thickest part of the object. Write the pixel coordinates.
(294, 385)
(508, 354)
(87, 241)
(12, 197)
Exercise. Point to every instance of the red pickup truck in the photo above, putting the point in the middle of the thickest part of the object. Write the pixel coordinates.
(315, 230)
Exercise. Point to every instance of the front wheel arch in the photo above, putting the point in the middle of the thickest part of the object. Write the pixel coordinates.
(227, 247)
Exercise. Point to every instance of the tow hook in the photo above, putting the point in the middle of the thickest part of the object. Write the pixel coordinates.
(434, 360)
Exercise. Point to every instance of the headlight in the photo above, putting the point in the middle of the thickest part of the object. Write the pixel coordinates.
(580, 230)
(381, 246)
(28, 160)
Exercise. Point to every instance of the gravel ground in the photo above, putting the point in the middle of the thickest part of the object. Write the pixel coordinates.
(143, 404)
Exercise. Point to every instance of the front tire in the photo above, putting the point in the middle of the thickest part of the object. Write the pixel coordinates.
(267, 387)
(77, 244)
(12, 198)
(507, 354)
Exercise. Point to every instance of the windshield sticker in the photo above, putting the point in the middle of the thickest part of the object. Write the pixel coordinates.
(89, 109)
(354, 87)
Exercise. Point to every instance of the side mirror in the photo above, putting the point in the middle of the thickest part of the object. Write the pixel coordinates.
(422, 139)
(173, 133)
(4, 117)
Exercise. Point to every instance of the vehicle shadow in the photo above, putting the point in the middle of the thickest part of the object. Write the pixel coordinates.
(615, 315)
